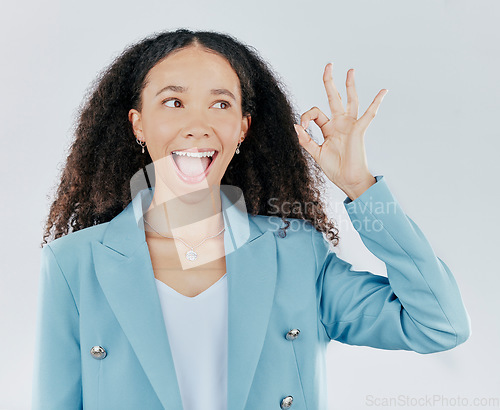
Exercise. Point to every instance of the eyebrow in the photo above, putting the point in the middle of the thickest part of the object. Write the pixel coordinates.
(181, 89)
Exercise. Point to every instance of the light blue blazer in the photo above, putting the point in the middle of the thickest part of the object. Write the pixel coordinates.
(288, 297)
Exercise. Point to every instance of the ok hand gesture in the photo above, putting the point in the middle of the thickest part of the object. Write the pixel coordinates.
(342, 155)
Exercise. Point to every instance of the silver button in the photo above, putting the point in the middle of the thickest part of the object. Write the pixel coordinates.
(293, 334)
(98, 352)
(286, 403)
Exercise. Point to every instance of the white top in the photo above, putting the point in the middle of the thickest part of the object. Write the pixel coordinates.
(197, 333)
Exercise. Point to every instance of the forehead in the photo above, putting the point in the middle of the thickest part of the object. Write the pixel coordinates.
(191, 68)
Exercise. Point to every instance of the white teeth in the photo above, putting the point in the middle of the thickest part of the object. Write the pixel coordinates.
(195, 154)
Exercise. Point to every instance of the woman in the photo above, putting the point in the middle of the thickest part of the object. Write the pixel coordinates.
(183, 299)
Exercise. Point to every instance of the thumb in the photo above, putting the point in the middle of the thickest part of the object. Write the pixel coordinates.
(307, 142)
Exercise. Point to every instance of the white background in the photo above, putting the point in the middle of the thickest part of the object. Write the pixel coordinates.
(435, 139)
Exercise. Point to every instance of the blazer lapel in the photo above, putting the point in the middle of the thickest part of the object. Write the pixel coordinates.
(124, 270)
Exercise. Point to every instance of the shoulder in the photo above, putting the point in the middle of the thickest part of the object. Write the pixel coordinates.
(300, 235)
(71, 249)
(297, 228)
(78, 239)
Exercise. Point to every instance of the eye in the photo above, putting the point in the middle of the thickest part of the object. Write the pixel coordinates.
(224, 102)
(171, 99)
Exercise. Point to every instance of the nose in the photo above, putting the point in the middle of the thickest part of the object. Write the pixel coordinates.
(196, 131)
(197, 125)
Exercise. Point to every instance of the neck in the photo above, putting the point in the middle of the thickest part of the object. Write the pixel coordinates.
(191, 216)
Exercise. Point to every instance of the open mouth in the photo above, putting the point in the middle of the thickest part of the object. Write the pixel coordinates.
(193, 168)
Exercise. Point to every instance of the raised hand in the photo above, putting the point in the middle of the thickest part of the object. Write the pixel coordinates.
(342, 155)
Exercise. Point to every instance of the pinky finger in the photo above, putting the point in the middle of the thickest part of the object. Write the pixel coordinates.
(365, 120)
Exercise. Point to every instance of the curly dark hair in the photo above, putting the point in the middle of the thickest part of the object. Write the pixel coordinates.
(272, 163)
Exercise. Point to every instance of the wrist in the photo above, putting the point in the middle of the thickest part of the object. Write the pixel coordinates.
(357, 190)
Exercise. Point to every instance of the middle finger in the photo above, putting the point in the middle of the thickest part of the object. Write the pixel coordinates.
(331, 91)
(352, 96)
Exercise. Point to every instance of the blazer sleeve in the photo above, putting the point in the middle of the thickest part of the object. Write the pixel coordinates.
(57, 361)
(417, 307)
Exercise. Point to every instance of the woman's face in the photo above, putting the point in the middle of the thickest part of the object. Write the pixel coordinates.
(192, 101)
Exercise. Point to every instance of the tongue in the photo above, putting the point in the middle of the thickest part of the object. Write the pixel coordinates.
(191, 166)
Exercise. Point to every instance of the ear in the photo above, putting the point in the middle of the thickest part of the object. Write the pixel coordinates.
(134, 117)
(245, 125)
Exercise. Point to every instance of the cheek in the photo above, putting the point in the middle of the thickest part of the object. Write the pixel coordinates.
(159, 130)
(229, 130)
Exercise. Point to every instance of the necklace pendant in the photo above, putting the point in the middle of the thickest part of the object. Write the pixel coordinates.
(191, 255)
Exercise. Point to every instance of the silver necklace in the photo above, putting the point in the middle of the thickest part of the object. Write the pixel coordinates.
(191, 255)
